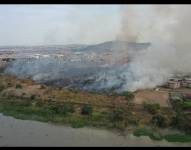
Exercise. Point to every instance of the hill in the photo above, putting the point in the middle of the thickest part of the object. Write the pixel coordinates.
(114, 45)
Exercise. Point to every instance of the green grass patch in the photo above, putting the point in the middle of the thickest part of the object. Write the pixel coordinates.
(178, 138)
(153, 134)
(59, 113)
(78, 122)
(63, 113)
(2, 87)
(186, 105)
(18, 86)
(151, 108)
(33, 97)
(128, 95)
(147, 132)
(87, 110)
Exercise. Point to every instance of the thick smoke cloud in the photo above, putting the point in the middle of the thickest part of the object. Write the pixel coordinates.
(50, 69)
(166, 27)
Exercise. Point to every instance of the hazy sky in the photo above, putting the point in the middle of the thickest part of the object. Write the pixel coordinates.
(58, 24)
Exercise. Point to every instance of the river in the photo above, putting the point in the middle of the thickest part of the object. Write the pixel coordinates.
(14, 132)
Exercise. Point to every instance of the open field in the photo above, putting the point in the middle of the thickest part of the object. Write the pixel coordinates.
(151, 96)
(45, 93)
(25, 99)
(27, 90)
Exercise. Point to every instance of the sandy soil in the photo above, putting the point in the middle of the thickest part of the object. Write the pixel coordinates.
(151, 96)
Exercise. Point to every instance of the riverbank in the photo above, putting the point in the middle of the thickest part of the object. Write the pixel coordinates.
(31, 110)
(14, 132)
(78, 109)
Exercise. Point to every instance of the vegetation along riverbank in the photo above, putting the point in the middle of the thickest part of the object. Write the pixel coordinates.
(25, 99)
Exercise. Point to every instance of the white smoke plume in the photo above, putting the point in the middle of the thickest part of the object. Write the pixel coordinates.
(167, 27)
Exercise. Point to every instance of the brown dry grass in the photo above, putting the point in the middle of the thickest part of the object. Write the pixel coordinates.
(100, 103)
(150, 96)
(47, 93)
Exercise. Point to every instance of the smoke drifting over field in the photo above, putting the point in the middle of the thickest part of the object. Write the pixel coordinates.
(166, 27)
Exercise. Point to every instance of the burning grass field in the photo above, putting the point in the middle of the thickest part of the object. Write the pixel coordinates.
(25, 99)
(27, 88)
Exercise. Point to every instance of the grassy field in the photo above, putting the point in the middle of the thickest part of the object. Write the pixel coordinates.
(153, 134)
(178, 138)
(62, 113)
(23, 99)
(65, 115)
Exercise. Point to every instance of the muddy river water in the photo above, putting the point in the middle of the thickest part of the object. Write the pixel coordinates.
(14, 132)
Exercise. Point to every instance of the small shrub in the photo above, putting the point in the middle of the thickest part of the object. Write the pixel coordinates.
(147, 132)
(151, 108)
(118, 114)
(61, 108)
(178, 138)
(182, 121)
(66, 108)
(128, 95)
(9, 84)
(60, 88)
(87, 110)
(88, 81)
(186, 105)
(132, 119)
(78, 122)
(42, 87)
(33, 97)
(39, 103)
(18, 86)
(113, 93)
(2, 87)
(159, 120)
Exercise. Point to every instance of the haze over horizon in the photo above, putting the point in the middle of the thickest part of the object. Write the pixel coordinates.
(28, 25)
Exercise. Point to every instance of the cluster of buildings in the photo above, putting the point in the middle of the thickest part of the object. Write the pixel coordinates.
(69, 56)
(104, 57)
(175, 83)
